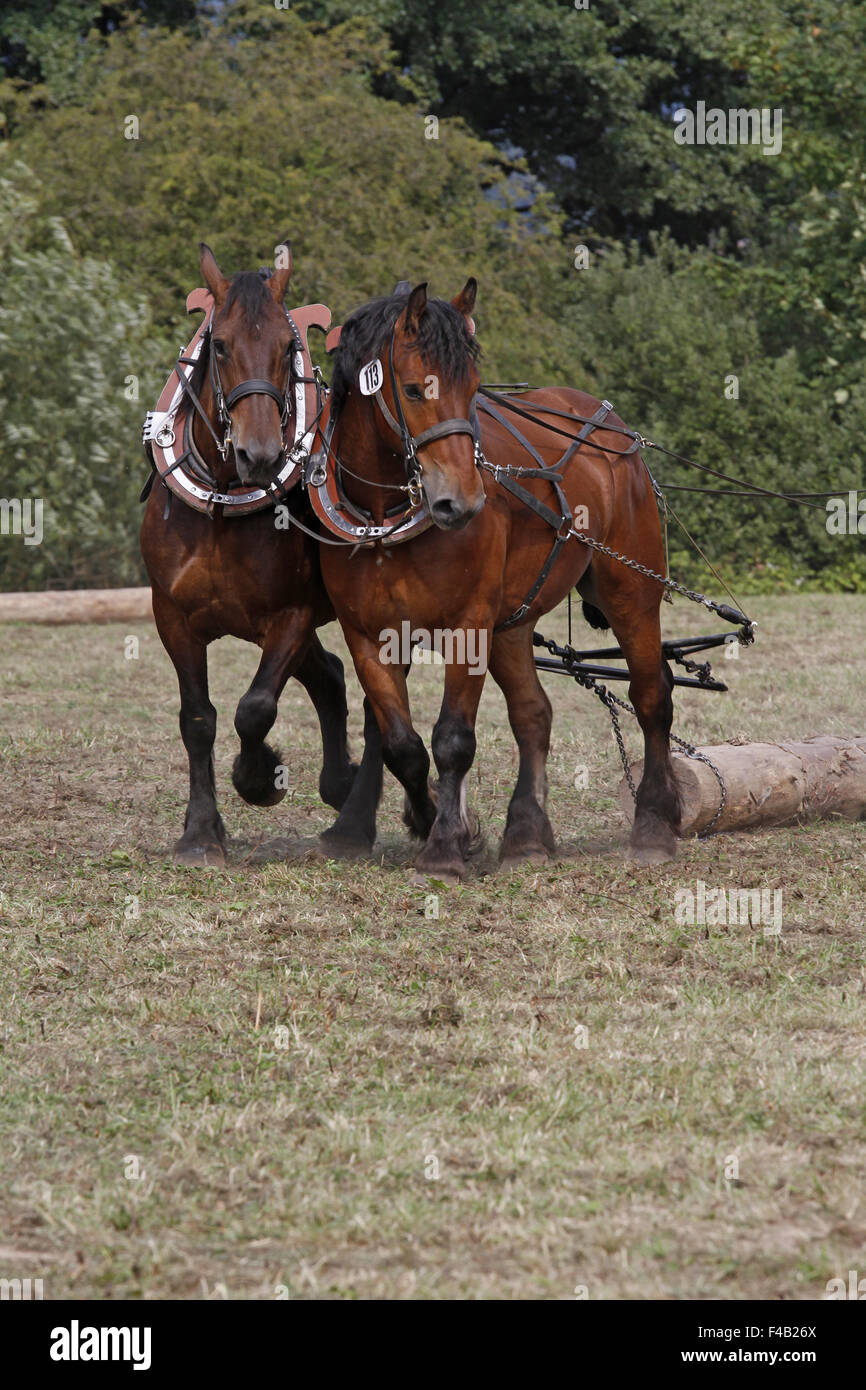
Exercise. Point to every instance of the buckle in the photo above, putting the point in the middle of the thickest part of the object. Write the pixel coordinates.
(415, 490)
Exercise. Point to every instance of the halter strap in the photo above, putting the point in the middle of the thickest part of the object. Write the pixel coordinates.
(437, 431)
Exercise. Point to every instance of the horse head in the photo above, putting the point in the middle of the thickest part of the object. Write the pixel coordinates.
(430, 381)
(251, 348)
(413, 358)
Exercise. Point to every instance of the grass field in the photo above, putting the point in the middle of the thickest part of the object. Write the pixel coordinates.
(325, 1092)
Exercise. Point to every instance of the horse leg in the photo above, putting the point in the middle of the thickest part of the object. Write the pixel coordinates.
(637, 628)
(322, 676)
(450, 838)
(204, 837)
(255, 770)
(403, 750)
(354, 831)
(528, 833)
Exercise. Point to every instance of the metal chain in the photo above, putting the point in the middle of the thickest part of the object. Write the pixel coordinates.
(692, 752)
(702, 669)
(610, 701)
(643, 569)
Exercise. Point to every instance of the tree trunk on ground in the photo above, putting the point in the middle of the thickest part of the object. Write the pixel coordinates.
(77, 606)
(767, 783)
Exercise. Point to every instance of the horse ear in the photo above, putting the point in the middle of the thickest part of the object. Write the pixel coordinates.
(464, 302)
(279, 281)
(213, 276)
(415, 308)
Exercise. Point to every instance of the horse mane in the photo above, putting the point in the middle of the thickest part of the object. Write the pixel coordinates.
(443, 340)
(248, 288)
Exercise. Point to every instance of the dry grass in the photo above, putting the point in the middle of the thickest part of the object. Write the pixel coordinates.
(292, 1050)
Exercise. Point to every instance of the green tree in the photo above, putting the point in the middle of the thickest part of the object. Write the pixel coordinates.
(232, 147)
(73, 348)
(680, 355)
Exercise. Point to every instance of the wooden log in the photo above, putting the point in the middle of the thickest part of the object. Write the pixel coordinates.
(77, 606)
(767, 783)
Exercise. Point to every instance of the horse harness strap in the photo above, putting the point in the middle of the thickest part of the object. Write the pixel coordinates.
(437, 431)
(412, 443)
(562, 523)
(340, 516)
(637, 440)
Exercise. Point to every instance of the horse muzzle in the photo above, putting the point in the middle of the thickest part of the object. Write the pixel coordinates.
(452, 514)
(257, 466)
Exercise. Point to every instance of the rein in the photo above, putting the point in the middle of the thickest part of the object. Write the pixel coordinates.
(640, 442)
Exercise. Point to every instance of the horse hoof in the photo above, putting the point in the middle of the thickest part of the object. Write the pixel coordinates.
(336, 847)
(652, 854)
(334, 790)
(429, 878)
(524, 859)
(204, 856)
(271, 799)
(256, 779)
(448, 871)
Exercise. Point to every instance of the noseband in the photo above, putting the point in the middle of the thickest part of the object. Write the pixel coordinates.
(412, 443)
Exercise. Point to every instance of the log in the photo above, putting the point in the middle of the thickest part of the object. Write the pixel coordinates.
(77, 606)
(767, 783)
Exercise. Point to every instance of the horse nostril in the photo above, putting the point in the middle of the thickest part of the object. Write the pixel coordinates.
(256, 464)
(451, 515)
(444, 511)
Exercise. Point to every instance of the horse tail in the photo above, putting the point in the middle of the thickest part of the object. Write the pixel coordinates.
(594, 616)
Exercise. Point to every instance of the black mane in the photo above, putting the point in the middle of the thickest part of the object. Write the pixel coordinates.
(248, 288)
(443, 340)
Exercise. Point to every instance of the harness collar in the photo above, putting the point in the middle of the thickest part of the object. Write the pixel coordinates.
(168, 437)
(350, 521)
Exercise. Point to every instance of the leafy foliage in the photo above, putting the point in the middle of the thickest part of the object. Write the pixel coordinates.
(73, 377)
(149, 127)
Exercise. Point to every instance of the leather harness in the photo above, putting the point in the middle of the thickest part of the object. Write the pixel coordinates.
(541, 472)
(168, 437)
(304, 413)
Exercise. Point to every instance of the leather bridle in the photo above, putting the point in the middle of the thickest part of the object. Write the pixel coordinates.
(412, 443)
(254, 386)
(351, 521)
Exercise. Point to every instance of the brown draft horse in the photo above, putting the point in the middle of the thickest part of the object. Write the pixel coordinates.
(214, 576)
(472, 571)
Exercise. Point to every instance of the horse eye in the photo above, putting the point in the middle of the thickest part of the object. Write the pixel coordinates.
(413, 392)
(220, 347)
